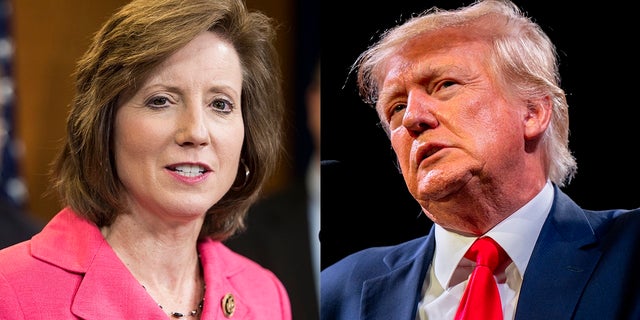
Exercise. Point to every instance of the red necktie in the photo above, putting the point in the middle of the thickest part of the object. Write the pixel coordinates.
(481, 299)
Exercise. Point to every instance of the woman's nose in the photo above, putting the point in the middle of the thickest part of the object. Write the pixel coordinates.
(192, 128)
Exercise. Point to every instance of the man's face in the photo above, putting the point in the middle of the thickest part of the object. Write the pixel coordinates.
(450, 122)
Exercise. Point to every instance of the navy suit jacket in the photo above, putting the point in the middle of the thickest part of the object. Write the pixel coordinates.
(582, 267)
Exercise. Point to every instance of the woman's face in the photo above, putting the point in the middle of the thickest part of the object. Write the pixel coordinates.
(178, 136)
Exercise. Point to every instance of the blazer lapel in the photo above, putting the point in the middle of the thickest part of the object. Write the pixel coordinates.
(101, 276)
(99, 273)
(218, 269)
(560, 265)
(122, 299)
(395, 295)
(127, 299)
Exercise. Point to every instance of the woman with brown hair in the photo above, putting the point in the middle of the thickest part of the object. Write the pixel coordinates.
(174, 129)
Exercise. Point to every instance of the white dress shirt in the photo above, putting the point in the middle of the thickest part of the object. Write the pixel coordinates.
(447, 277)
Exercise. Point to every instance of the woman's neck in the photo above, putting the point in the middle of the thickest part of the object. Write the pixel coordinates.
(166, 263)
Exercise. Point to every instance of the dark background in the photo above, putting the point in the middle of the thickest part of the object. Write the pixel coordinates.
(364, 200)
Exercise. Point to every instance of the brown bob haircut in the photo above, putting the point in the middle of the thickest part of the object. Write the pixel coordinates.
(129, 45)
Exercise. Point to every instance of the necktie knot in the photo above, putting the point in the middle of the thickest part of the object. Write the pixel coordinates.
(481, 298)
(486, 252)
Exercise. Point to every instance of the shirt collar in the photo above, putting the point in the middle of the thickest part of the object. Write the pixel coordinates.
(517, 234)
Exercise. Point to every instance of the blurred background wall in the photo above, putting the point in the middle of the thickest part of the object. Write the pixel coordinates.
(48, 36)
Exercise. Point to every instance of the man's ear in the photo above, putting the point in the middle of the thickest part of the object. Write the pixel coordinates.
(537, 117)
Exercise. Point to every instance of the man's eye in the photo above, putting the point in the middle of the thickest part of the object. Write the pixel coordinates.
(445, 84)
(398, 108)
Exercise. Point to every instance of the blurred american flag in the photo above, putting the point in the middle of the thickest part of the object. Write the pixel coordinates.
(12, 187)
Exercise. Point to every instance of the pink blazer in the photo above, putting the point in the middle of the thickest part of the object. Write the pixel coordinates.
(69, 271)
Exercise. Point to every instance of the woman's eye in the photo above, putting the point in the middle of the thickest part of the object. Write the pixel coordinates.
(222, 105)
(158, 102)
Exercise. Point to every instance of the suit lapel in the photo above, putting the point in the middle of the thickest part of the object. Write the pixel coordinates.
(564, 257)
(396, 294)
